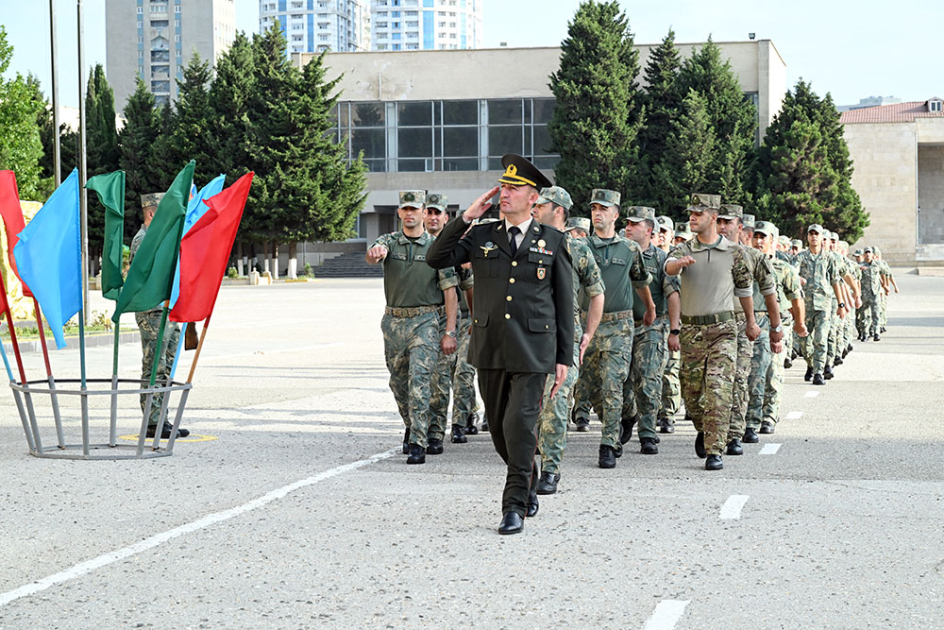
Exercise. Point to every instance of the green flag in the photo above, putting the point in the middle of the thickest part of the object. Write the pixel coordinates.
(111, 192)
(151, 275)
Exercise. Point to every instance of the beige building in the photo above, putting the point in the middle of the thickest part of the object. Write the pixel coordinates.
(441, 120)
(898, 154)
(154, 39)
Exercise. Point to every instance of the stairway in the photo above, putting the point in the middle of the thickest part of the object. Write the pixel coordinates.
(350, 265)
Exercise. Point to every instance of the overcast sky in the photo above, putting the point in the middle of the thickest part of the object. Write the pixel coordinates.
(852, 49)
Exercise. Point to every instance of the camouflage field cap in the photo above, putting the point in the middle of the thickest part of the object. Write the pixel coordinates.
(767, 228)
(699, 202)
(816, 227)
(555, 195)
(606, 198)
(150, 200)
(665, 223)
(748, 221)
(843, 244)
(876, 250)
(833, 236)
(857, 253)
(683, 229)
(784, 241)
(579, 223)
(731, 211)
(867, 250)
(436, 201)
(637, 214)
(412, 199)
(796, 243)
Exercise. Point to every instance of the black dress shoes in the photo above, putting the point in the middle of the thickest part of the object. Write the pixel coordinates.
(434, 447)
(626, 429)
(406, 442)
(734, 447)
(458, 435)
(648, 446)
(713, 463)
(818, 379)
(583, 425)
(548, 483)
(533, 504)
(607, 456)
(700, 445)
(766, 427)
(511, 523)
(808, 375)
(417, 455)
(750, 436)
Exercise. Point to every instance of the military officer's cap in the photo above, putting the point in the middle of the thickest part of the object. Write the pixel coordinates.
(796, 243)
(767, 228)
(816, 227)
(412, 199)
(637, 214)
(436, 201)
(520, 172)
(731, 212)
(151, 200)
(748, 221)
(555, 195)
(578, 223)
(665, 223)
(683, 229)
(699, 202)
(606, 198)
(867, 250)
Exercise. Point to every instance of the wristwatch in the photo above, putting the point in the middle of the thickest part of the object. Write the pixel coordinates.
(674, 331)
(842, 305)
(778, 329)
(451, 333)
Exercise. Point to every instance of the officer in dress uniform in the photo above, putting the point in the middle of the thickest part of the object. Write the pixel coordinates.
(522, 320)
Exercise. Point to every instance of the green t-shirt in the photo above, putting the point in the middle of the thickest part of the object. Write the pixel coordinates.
(622, 268)
(408, 281)
(662, 284)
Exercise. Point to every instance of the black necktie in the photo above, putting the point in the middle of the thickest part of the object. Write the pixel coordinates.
(514, 231)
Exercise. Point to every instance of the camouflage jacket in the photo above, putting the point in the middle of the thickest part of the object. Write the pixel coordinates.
(820, 273)
(588, 282)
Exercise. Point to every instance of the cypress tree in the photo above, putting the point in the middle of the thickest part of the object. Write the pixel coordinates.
(598, 113)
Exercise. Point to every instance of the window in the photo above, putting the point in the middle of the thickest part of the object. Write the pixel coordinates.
(140, 24)
(935, 105)
(140, 10)
(177, 9)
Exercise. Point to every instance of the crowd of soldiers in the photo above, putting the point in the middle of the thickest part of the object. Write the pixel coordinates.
(708, 312)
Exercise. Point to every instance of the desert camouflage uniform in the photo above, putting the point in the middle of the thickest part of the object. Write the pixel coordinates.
(555, 412)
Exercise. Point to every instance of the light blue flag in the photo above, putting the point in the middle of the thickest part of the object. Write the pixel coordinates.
(49, 257)
(196, 208)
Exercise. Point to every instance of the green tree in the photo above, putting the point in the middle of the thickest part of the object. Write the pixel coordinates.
(845, 213)
(192, 133)
(136, 141)
(21, 148)
(102, 153)
(598, 113)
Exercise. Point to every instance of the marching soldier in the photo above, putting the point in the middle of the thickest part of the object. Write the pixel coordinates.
(888, 281)
(417, 296)
(871, 288)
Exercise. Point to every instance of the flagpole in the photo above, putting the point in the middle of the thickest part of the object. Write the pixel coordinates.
(57, 161)
(83, 196)
(34, 440)
(54, 398)
(113, 426)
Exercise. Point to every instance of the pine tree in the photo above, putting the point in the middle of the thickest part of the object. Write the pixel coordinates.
(846, 215)
(598, 113)
(136, 141)
(102, 153)
(228, 100)
(192, 133)
(21, 148)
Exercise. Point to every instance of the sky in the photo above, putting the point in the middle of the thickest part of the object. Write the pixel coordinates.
(851, 49)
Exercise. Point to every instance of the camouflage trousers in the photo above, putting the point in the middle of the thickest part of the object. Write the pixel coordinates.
(149, 324)
(606, 367)
(882, 308)
(871, 316)
(642, 391)
(849, 328)
(708, 365)
(742, 372)
(440, 385)
(671, 389)
(833, 347)
(555, 413)
(814, 345)
(411, 349)
(763, 364)
(463, 382)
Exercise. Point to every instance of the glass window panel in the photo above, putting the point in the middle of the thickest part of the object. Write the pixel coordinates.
(415, 114)
(494, 164)
(461, 141)
(502, 140)
(437, 113)
(371, 141)
(549, 163)
(543, 110)
(367, 115)
(411, 166)
(460, 164)
(415, 143)
(504, 112)
(460, 112)
(437, 141)
(542, 140)
(376, 166)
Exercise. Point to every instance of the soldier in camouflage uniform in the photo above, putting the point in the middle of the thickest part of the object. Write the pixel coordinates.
(731, 227)
(849, 324)
(713, 272)
(871, 288)
(464, 404)
(849, 293)
(671, 386)
(552, 208)
(666, 233)
(642, 392)
(607, 362)
(822, 279)
(888, 282)
(416, 295)
(149, 323)
(765, 382)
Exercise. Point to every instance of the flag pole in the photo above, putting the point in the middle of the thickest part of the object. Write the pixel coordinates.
(113, 426)
(83, 177)
(34, 440)
(54, 398)
(57, 162)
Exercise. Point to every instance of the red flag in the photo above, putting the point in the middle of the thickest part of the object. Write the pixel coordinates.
(204, 252)
(12, 218)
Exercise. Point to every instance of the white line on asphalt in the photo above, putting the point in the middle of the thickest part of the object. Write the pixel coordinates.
(666, 615)
(769, 449)
(794, 415)
(732, 507)
(812, 394)
(211, 519)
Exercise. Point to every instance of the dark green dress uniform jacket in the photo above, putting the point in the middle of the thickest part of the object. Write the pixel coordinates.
(522, 315)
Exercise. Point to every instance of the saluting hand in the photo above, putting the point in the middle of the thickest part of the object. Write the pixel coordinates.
(376, 254)
(560, 375)
(480, 206)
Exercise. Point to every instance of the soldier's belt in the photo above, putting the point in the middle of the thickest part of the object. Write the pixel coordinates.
(707, 320)
(639, 322)
(618, 315)
(413, 311)
(760, 313)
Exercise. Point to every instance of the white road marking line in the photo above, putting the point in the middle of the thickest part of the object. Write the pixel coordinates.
(211, 519)
(812, 394)
(733, 506)
(769, 449)
(666, 615)
(795, 415)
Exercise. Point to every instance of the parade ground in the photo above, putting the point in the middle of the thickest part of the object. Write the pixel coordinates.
(290, 505)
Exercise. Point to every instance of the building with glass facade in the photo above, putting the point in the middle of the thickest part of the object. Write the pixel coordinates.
(426, 24)
(315, 26)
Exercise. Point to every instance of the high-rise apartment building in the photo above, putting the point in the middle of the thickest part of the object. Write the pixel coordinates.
(154, 39)
(314, 26)
(426, 24)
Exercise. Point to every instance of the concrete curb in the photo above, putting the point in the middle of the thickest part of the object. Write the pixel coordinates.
(72, 343)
